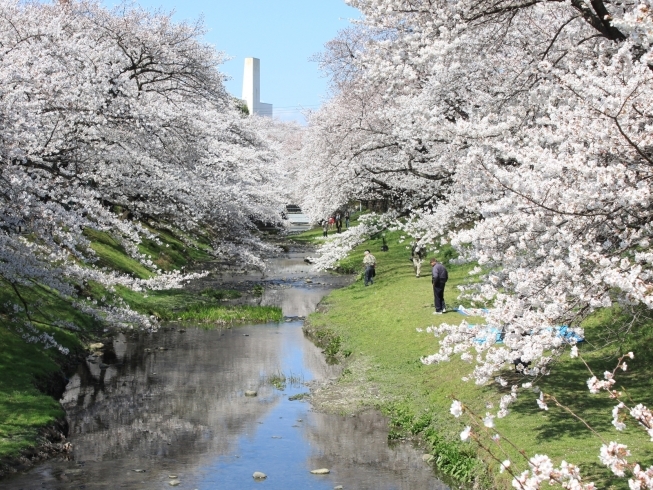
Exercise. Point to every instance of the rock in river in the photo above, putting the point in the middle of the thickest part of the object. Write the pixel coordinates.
(321, 471)
(259, 475)
(174, 483)
(250, 393)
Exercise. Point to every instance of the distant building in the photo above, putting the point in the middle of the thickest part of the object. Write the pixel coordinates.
(252, 88)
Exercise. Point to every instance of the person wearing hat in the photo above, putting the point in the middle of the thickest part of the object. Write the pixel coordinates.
(369, 261)
(417, 253)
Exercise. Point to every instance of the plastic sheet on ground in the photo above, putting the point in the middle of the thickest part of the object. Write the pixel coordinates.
(472, 311)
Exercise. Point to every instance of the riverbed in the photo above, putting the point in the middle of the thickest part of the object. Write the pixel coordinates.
(171, 409)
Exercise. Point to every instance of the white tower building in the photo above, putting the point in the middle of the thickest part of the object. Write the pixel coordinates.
(252, 88)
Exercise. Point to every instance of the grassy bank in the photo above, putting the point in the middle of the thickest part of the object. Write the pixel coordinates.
(31, 376)
(372, 330)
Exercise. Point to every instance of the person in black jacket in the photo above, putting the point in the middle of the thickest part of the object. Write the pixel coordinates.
(439, 276)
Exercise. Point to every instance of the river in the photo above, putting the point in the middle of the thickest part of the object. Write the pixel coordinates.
(170, 410)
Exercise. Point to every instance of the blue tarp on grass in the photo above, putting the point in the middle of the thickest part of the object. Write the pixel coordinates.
(563, 331)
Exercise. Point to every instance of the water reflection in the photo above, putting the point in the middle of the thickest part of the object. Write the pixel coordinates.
(288, 282)
(173, 403)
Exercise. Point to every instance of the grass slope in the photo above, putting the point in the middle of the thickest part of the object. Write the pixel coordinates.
(24, 408)
(373, 329)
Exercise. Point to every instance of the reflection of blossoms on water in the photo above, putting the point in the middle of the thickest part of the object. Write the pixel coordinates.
(159, 403)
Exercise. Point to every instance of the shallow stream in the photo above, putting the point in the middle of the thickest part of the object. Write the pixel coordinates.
(169, 410)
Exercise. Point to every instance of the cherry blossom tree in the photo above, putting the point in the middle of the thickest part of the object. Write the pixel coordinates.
(120, 109)
(519, 131)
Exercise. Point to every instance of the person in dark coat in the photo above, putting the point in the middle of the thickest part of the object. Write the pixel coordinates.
(439, 277)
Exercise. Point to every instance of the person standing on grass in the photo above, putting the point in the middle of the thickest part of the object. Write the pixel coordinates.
(369, 261)
(417, 253)
(347, 219)
(439, 276)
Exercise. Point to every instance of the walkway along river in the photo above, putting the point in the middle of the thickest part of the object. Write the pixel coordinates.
(169, 409)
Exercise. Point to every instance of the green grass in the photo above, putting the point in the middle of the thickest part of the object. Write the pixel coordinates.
(280, 381)
(231, 314)
(377, 325)
(182, 305)
(113, 256)
(24, 409)
(311, 236)
(172, 253)
(168, 253)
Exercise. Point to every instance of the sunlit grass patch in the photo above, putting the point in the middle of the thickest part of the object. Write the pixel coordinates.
(166, 251)
(169, 252)
(23, 408)
(118, 260)
(231, 314)
(221, 294)
(309, 236)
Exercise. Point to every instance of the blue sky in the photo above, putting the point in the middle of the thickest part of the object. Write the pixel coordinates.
(282, 33)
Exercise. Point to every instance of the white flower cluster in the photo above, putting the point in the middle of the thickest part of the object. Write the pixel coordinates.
(645, 418)
(492, 348)
(618, 424)
(595, 385)
(542, 471)
(33, 335)
(614, 455)
(642, 479)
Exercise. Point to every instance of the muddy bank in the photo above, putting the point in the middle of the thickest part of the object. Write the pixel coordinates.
(351, 392)
(51, 442)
